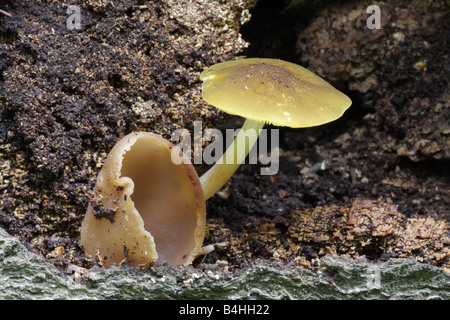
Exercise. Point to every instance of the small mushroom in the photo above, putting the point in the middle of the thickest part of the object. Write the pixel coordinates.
(150, 208)
(265, 91)
(5, 13)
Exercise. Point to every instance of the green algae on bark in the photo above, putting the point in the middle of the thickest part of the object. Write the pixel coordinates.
(24, 275)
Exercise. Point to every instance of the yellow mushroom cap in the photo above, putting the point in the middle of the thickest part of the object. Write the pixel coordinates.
(273, 91)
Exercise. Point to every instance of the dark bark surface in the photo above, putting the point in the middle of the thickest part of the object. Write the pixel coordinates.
(373, 183)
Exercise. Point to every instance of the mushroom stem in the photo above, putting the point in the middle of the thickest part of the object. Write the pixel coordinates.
(5, 13)
(216, 177)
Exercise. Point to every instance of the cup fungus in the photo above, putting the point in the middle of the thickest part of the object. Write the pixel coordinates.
(265, 91)
(149, 208)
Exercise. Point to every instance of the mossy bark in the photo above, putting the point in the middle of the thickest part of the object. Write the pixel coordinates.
(24, 275)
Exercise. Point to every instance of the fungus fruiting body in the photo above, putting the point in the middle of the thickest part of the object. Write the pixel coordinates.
(5, 13)
(150, 208)
(265, 91)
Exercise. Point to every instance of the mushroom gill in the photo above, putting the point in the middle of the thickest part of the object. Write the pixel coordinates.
(148, 207)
